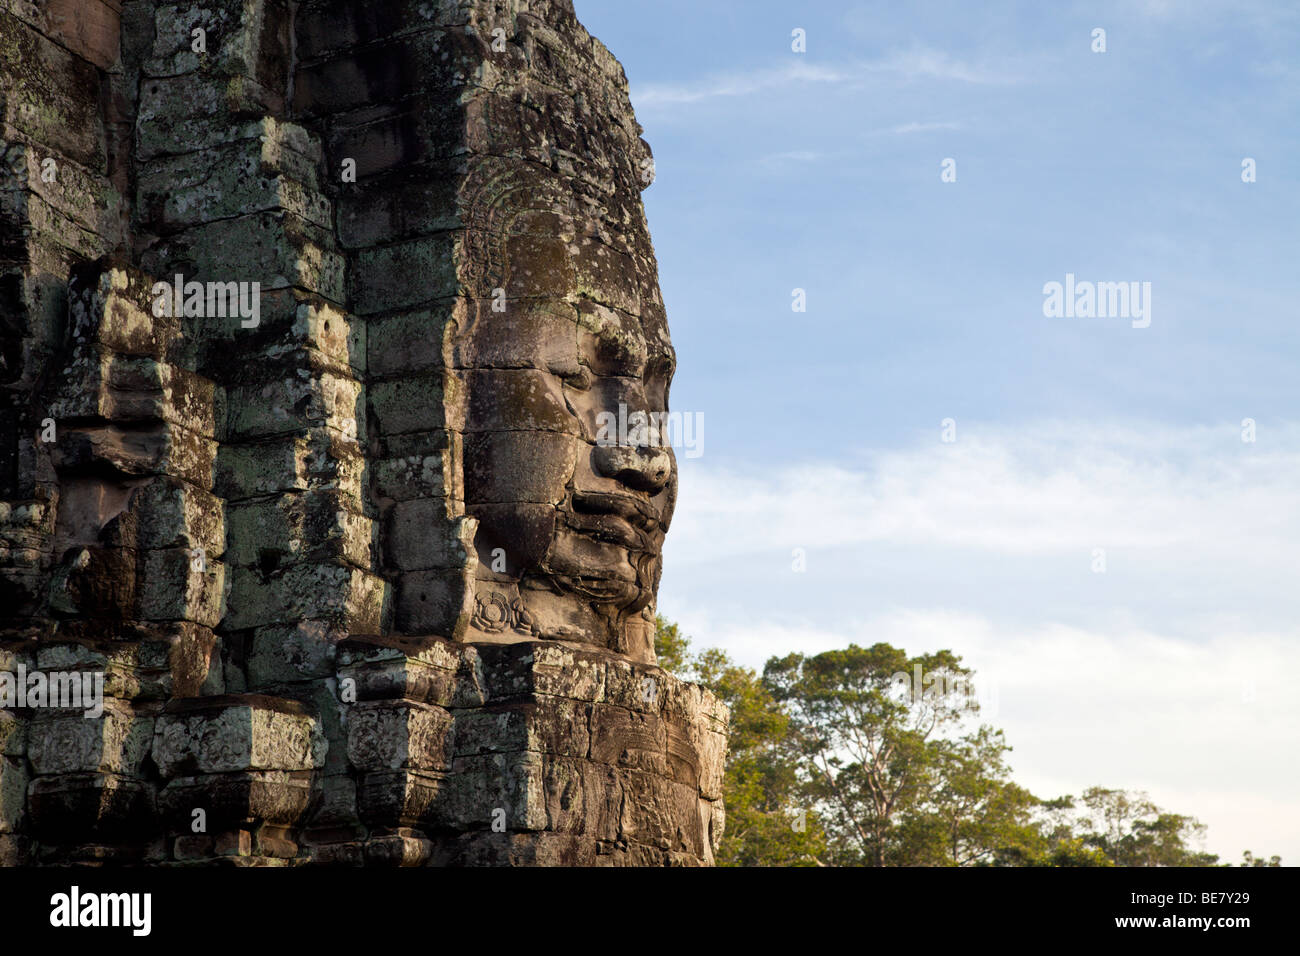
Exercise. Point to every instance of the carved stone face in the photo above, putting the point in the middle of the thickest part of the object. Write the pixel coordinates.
(571, 521)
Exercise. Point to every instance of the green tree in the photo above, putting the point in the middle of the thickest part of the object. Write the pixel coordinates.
(1130, 830)
(672, 647)
(1054, 841)
(982, 815)
(1249, 859)
(877, 752)
(864, 756)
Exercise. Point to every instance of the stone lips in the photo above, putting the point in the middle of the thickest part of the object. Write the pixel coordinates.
(362, 584)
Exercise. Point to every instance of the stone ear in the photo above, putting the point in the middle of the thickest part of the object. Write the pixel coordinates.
(645, 164)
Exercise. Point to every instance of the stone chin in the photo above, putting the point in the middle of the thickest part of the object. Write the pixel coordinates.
(621, 579)
(594, 583)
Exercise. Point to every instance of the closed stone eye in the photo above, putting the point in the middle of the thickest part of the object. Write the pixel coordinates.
(580, 379)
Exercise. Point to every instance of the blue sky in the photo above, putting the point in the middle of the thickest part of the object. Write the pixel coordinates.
(1172, 671)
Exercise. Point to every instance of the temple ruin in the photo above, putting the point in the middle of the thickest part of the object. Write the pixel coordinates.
(358, 582)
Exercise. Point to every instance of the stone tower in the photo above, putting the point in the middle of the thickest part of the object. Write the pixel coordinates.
(309, 313)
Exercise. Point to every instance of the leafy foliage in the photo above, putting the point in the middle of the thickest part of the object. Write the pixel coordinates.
(868, 757)
(671, 646)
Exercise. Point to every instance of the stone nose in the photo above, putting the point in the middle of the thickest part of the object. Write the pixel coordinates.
(641, 467)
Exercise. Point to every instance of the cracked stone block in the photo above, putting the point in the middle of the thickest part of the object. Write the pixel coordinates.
(234, 734)
(116, 741)
(393, 735)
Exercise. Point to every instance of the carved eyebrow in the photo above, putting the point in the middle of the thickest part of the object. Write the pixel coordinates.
(566, 366)
(620, 349)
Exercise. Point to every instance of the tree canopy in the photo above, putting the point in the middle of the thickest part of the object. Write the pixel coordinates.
(869, 757)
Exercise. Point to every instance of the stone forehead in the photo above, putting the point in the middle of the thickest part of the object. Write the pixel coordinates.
(558, 335)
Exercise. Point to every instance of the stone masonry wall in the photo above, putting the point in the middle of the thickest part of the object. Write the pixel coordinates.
(260, 534)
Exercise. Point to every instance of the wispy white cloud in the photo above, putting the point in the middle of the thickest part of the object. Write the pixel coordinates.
(1049, 488)
(923, 63)
(792, 74)
(1257, 14)
(904, 129)
(916, 64)
(803, 157)
(795, 156)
